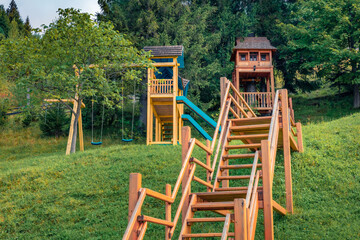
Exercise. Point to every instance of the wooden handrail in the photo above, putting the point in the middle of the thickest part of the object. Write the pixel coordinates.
(201, 164)
(275, 111)
(202, 146)
(252, 179)
(242, 100)
(199, 180)
(159, 196)
(226, 227)
(238, 106)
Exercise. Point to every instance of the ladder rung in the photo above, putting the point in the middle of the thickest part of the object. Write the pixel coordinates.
(233, 188)
(250, 127)
(239, 156)
(240, 166)
(212, 219)
(221, 178)
(199, 235)
(213, 206)
(252, 145)
(248, 136)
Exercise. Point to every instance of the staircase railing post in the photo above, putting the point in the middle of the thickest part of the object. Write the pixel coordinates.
(167, 211)
(286, 147)
(185, 142)
(208, 163)
(299, 137)
(240, 219)
(134, 188)
(267, 190)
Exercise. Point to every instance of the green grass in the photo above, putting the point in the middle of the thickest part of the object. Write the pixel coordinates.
(47, 195)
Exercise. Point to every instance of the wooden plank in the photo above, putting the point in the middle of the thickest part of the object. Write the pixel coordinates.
(185, 143)
(81, 134)
(222, 178)
(277, 207)
(267, 190)
(299, 137)
(159, 196)
(71, 130)
(252, 179)
(201, 164)
(167, 211)
(209, 185)
(251, 145)
(249, 136)
(286, 148)
(210, 219)
(142, 231)
(208, 163)
(213, 206)
(203, 235)
(226, 227)
(240, 221)
(148, 107)
(239, 166)
(133, 225)
(144, 218)
(186, 228)
(239, 156)
(203, 147)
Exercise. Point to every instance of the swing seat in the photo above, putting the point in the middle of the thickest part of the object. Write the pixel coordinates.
(96, 143)
(126, 140)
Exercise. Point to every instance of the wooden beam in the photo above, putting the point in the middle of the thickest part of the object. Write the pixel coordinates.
(286, 147)
(167, 211)
(277, 207)
(81, 135)
(148, 108)
(240, 219)
(299, 137)
(267, 190)
(185, 142)
(134, 188)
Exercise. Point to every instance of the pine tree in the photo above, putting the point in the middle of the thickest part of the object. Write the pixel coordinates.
(13, 14)
(14, 30)
(27, 27)
(4, 21)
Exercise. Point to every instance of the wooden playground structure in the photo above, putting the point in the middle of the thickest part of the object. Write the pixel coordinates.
(238, 162)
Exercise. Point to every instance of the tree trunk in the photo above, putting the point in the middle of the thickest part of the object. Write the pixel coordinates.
(356, 96)
(143, 104)
(73, 142)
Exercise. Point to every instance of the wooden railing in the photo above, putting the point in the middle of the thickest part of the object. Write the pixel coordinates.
(258, 100)
(161, 86)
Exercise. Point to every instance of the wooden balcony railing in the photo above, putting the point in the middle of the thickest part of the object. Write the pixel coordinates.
(161, 86)
(258, 100)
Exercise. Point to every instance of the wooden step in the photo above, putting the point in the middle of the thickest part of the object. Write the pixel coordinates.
(221, 196)
(248, 136)
(242, 146)
(227, 189)
(240, 166)
(251, 121)
(202, 235)
(249, 127)
(212, 206)
(238, 177)
(239, 156)
(212, 219)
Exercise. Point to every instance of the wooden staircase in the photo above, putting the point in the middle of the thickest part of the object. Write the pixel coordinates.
(238, 181)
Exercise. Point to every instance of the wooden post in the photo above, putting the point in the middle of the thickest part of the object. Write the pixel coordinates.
(81, 135)
(225, 183)
(186, 136)
(299, 137)
(71, 130)
(175, 92)
(148, 108)
(134, 188)
(167, 211)
(272, 84)
(240, 220)
(286, 147)
(267, 190)
(222, 89)
(208, 163)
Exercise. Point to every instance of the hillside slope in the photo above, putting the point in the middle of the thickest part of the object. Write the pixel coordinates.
(85, 196)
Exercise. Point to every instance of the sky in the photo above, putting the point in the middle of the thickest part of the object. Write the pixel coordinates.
(44, 11)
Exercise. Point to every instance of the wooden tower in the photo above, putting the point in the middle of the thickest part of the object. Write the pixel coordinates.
(253, 73)
(164, 85)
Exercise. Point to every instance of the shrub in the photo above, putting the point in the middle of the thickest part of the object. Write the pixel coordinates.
(54, 122)
(4, 108)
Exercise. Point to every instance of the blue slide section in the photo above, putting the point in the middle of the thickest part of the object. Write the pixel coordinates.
(198, 111)
(196, 125)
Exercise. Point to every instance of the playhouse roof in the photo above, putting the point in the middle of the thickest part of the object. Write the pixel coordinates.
(253, 43)
(165, 51)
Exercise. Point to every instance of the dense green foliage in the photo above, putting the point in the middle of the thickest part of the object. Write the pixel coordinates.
(82, 196)
(54, 121)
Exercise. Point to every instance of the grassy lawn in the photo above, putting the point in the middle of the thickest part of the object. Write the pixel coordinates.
(47, 195)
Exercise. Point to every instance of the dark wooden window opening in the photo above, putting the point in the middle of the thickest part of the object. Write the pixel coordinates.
(253, 56)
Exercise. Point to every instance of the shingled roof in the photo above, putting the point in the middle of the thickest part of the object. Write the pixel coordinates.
(165, 51)
(253, 43)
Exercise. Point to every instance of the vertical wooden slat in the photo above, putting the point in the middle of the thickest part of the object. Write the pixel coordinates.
(286, 147)
(299, 137)
(167, 211)
(208, 163)
(148, 106)
(240, 219)
(81, 134)
(134, 188)
(185, 142)
(267, 190)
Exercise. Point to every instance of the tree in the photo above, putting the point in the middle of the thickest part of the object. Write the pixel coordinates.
(13, 30)
(13, 14)
(27, 27)
(75, 43)
(323, 38)
(4, 21)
